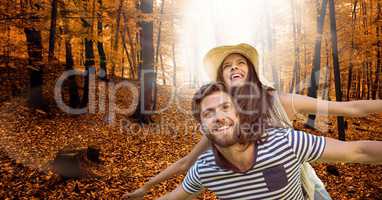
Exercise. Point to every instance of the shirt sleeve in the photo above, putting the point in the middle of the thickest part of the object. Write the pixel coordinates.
(191, 183)
(308, 147)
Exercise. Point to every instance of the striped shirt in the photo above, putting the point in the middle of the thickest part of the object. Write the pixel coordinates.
(275, 174)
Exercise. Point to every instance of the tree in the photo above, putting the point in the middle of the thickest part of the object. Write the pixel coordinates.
(315, 75)
(116, 38)
(89, 69)
(379, 51)
(350, 71)
(74, 98)
(130, 58)
(173, 56)
(101, 51)
(295, 85)
(147, 75)
(52, 32)
(36, 66)
(336, 67)
(157, 56)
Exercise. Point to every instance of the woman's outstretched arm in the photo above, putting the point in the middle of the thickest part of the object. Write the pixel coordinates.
(179, 166)
(295, 103)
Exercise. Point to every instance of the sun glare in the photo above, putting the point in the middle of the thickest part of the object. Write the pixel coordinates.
(208, 23)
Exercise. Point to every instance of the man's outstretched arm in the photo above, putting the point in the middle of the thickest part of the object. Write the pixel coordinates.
(178, 194)
(352, 151)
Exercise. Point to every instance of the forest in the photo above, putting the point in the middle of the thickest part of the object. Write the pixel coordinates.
(95, 95)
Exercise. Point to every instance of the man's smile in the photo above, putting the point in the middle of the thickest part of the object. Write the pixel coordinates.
(223, 127)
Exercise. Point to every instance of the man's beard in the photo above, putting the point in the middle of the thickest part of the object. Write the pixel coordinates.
(226, 141)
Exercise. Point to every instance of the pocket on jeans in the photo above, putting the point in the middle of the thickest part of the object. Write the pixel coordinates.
(275, 177)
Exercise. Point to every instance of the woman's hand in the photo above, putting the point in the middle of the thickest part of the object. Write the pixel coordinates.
(295, 103)
(136, 195)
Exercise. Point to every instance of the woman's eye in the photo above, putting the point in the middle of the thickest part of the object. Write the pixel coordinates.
(226, 66)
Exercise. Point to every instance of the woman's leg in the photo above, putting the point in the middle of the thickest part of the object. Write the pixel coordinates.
(312, 185)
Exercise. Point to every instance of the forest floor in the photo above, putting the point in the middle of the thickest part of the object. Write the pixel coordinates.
(131, 154)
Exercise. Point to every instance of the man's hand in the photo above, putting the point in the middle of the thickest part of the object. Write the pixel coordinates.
(135, 195)
(178, 194)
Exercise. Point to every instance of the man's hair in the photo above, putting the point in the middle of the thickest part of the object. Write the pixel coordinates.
(202, 93)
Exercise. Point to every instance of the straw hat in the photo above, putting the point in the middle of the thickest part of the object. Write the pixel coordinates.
(215, 57)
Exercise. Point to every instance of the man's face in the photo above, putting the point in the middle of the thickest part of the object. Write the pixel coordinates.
(219, 119)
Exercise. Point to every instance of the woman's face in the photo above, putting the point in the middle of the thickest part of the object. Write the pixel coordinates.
(235, 70)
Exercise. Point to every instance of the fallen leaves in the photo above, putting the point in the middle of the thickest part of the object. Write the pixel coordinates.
(132, 154)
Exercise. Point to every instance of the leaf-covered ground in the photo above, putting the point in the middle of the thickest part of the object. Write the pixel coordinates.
(131, 154)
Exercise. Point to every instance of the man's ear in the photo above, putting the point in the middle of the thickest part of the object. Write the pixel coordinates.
(203, 129)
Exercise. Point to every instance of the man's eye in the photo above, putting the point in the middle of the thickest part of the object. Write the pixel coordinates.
(207, 114)
(226, 106)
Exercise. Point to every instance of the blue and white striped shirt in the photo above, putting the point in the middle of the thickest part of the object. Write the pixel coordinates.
(275, 174)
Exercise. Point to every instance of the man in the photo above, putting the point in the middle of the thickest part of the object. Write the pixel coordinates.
(267, 167)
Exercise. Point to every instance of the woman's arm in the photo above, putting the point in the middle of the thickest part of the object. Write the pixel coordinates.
(179, 166)
(295, 103)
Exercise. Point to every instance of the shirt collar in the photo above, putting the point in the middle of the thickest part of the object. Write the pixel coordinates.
(223, 163)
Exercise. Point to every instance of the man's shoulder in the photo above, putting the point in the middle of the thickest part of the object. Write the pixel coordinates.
(278, 132)
(206, 160)
(206, 156)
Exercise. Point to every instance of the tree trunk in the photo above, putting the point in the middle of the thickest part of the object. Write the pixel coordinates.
(157, 56)
(162, 68)
(101, 51)
(296, 33)
(133, 58)
(147, 75)
(350, 71)
(315, 76)
(116, 38)
(52, 32)
(305, 82)
(173, 63)
(325, 90)
(336, 66)
(270, 62)
(89, 68)
(35, 64)
(139, 53)
(132, 74)
(368, 78)
(102, 61)
(74, 98)
(123, 63)
(129, 57)
(364, 79)
(379, 49)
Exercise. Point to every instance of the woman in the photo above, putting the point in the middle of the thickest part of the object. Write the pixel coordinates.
(232, 64)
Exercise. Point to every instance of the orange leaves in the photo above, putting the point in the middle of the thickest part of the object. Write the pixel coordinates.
(28, 142)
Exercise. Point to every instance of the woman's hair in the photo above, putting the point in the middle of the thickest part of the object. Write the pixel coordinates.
(256, 109)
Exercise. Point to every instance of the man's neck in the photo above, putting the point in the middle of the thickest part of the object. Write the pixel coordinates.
(241, 156)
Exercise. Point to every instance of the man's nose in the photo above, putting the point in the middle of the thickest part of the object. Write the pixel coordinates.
(220, 117)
